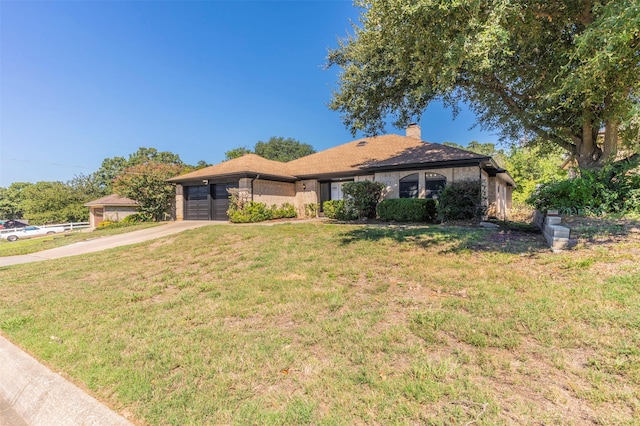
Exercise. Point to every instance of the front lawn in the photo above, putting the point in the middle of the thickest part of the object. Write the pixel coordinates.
(329, 324)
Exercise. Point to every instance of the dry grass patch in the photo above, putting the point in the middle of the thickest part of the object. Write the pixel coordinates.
(340, 324)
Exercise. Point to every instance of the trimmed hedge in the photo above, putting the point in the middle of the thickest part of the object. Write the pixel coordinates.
(408, 210)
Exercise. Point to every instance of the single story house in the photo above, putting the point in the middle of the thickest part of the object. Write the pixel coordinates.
(408, 166)
(112, 207)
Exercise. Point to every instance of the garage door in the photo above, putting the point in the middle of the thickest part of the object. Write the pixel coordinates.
(196, 202)
(221, 200)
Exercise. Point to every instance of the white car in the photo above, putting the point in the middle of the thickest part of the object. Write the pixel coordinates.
(30, 232)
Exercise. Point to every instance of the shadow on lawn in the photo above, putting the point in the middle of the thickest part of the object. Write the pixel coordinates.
(452, 238)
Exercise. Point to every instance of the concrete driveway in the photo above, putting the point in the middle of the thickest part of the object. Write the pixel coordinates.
(104, 243)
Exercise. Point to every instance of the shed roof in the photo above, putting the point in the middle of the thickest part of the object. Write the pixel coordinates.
(112, 200)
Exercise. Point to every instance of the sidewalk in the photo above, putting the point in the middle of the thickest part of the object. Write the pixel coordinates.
(31, 394)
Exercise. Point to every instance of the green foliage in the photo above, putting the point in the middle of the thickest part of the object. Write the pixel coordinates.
(147, 184)
(11, 199)
(311, 210)
(137, 218)
(53, 202)
(276, 148)
(533, 165)
(337, 210)
(283, 149)
(237, 152)
(614, 189)
(408, 210)
(362, 197)
(461, 200)
(489, 149)
(285, 211)
(242, 210)
(556, 70)
(251, 211)
(113, 167)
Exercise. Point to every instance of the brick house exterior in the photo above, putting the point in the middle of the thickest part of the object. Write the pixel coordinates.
(408, 166)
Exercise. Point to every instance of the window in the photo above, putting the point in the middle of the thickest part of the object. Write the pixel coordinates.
(409, 186)
(433, 184)
(196, 193)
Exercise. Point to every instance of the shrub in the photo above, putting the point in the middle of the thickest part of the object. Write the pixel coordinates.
(311, 210)
(336, 209)
(137, 218)
(106, 224)
(362, 197)
(251, 211)
(287, 210)
(461, 201)
(614, 189)
(408, 210)
(563, 195)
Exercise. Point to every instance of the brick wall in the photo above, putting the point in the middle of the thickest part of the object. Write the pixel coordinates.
(271, 192)
(179, 202)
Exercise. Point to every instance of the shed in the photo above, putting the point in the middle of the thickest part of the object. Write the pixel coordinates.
(112, 207)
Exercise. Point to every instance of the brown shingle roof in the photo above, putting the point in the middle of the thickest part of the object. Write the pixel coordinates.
(426, 153)
(112, 200)
(352, 156)
(372, 153)
(376, 153)
(247, 164)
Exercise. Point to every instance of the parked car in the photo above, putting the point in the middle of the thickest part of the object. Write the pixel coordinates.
(30, 232)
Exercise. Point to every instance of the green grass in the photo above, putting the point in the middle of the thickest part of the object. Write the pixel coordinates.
(34, 245)
(340, 324)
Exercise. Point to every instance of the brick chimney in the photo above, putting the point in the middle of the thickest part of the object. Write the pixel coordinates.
(413, 131)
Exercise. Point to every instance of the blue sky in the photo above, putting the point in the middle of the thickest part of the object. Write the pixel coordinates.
(81, 81)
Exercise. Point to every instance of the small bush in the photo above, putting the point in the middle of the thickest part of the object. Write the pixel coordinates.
(362, 197)
(336, 209)
(614, 189)
(106, 224)
(252, 211)
(287, 210)
(408, 210)
(461, 201)
(137, 218)
(311, 210)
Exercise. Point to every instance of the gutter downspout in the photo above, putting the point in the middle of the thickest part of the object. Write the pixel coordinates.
(252, 180)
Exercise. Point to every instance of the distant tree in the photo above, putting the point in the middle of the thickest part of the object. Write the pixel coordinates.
(53, 202)
(283, 149)
(111, 168)
(534, 164)
(237, 152)
(276, 148)
(486, 148)
(147, 184)
(11, 197)
(87, 187)
(201, 164)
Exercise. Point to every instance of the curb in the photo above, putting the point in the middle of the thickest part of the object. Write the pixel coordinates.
(39, 396)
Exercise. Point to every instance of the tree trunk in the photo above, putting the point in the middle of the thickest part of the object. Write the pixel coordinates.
(587, 153)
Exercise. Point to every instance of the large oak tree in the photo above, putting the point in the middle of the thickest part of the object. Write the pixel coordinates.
(565, 71)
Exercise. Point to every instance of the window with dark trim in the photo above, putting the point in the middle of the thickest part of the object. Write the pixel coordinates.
(433, 184)
(196, 193)
(409, 186)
